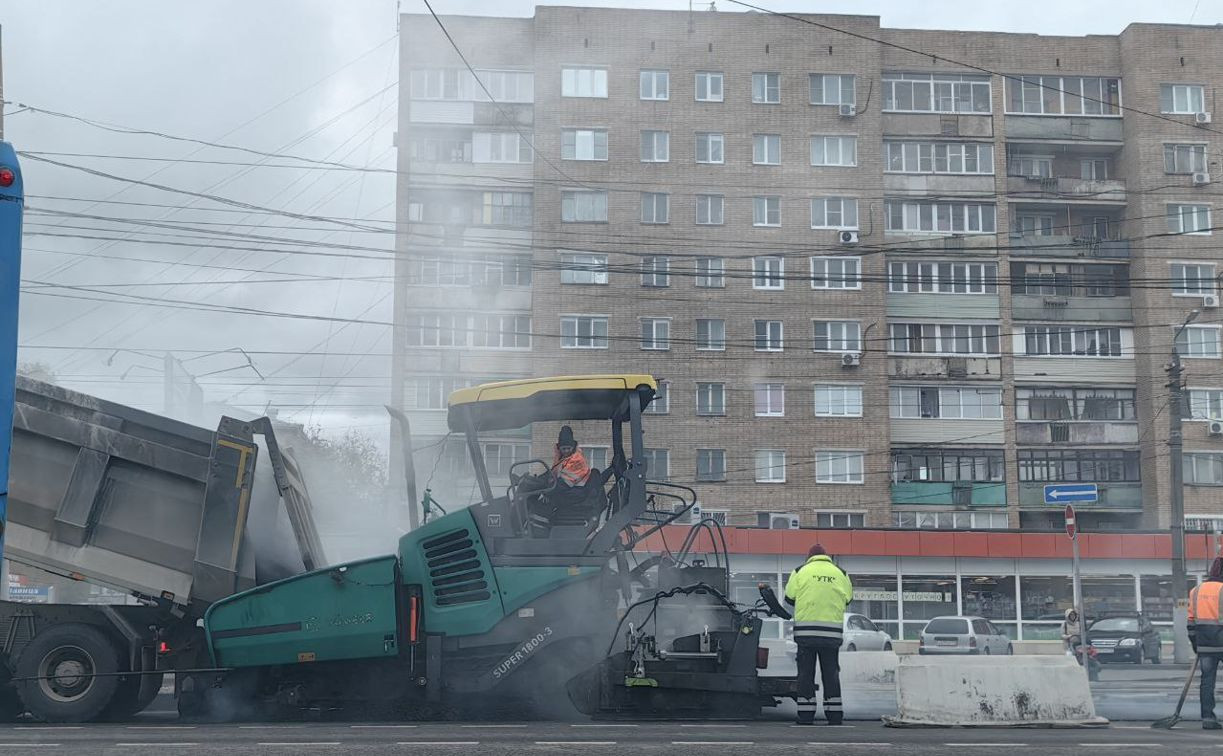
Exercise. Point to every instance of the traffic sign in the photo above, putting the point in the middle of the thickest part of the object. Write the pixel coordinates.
(1071, 527)
(1061, 493)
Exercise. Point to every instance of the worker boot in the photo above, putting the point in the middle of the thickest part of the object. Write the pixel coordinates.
(832, 711)
(806, 711)
(1211, 724)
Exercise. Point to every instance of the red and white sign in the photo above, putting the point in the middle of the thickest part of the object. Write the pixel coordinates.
(1071, 527)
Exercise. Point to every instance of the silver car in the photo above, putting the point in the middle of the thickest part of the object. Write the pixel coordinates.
(963, 635)
(860, 634)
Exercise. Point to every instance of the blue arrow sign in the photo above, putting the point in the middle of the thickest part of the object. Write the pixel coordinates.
(1064, 493)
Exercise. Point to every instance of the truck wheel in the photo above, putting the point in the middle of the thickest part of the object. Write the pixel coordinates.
(127, 700)
(60, 664)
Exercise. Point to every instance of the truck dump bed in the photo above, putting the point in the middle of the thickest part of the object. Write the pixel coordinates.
(145, 504)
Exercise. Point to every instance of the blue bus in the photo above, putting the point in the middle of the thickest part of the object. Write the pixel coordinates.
(12, 200)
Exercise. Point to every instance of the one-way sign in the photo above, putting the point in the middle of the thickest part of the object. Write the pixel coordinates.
(1062, 493)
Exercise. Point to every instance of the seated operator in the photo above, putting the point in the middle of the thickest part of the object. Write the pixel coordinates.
(563, 487)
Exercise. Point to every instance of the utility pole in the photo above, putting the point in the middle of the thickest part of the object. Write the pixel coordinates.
(1176, 477)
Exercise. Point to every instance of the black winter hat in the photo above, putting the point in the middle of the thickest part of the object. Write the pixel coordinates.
(566, 437)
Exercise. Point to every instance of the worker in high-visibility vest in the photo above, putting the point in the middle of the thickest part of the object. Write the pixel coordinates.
(1206, 635)
(819, 592)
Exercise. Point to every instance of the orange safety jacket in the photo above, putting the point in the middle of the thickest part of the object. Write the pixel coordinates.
(1205, 629)
(573, 470)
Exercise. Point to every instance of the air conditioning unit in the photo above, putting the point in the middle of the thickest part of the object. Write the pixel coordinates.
(777, 520)
(1210, 301)
(848, 238)
(851, 359)
(1201, 119)
(1215, 427)
(848, 111)
(1201, 178)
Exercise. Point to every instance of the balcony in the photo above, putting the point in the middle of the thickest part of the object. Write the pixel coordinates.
(1125, 496)
(1068, 246)
(1076, 433)
(1063, 128)
(959, 368)
(938, 431)
(1056, 308)
(1064, 189)
(922, 493)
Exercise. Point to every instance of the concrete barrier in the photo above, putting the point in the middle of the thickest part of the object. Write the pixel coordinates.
(868, 667)
(992, 691)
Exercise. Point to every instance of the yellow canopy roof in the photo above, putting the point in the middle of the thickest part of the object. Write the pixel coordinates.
(513, 404)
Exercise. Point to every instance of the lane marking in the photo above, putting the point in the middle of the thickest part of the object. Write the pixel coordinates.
(383, 727)
(574, 742)
(160, 727)
(1121, 745)
(30, 745)
(713, 742)
(157, 745)
(305, 743)
(271, 727)
(817, 724)
(848, 743)
(713, 725)
(986, 745)
(439, 742)
(49, 727)
(492, 726)
(603, 725)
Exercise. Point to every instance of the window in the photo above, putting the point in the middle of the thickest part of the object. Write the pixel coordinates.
(710, 399)
(500, 457)
(708, 86)
(662, 400)
(936, 93)
(834, 212)
(835, 400)
(583, 268)
(656, 334)
(459, 329)
(1027, 224)
(769, 336)
(1065, 404)
(832, 89)
(442, 84)
(505, 209)
(1205, 404)
(946, 403)
(1093, 169)
(710, 465)
(440, 149)
(710, 272)
(768, 272)
(935, 277)
(656, 271)
(1189, 219)
(1039, 166)
(766, 211)
(766, 149)
(952, 521)
(766, 88)
(938, 217)
(597, 456)
(834, 519)
(710, 334)
(1185, 158)
(432, 393)
(838, 336)
(943, 338)
(709, 147)
(584, 207)
(500, 148)
(1198, 341)
(1077, 341)
(583, 332)
(1083, 465)
(1193, 279)
(583, 82)
(709, 209)
(655, 207)
(494, 270)
(655, 146)
(947, 466)
(506, 86)
(770, 399)
(501, 331)
(655, 85)
(770, 466)
(584, 144)
(1057, 95)
(839, 466)
(1203, 468)
(657, 464)
(938, 157)
(1070, 279)
(835, 273)
(1181, 98)
(834, 150)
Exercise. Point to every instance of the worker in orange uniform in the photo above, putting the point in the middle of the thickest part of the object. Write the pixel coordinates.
(570, 465)
(562, 487)
(1206, 635)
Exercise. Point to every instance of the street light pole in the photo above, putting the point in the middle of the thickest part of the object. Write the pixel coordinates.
(1176, 475)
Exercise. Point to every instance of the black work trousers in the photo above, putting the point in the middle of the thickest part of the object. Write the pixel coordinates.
(826, 653)
(1210, 668)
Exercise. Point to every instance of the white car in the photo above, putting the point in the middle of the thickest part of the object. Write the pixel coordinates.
(777, 635)
(860, 634)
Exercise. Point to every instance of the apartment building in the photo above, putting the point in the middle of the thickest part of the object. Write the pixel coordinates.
(891, 278)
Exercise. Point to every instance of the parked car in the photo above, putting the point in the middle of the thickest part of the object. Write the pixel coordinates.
(963, 635)
(1125, 637)
(860, 634)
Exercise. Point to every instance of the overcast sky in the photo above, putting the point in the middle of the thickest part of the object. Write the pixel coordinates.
(310, 78)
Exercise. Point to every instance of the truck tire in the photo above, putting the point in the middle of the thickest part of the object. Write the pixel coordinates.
(61, 663)
(127, 700)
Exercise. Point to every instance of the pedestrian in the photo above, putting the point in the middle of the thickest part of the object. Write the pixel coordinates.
(1072, 631)
(1206, 635)
(819, 592)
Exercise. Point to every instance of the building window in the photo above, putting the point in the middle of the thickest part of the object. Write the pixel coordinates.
(583, 268)
(954, 403)
(770, 399)
(506, 86)
(662, 400)
(1203, 468)
(1185, 158)
(837, 519)
(1198, 341)
(1182, 98)
(834, 151)
(939, 217)
(710, 399)
(501, 331)
(766, 211)
(655, 207)
(709, 147)
(1189, 219)
(655, 85)
(1193, 279)
(836, 400)
(500, 457)
(583, 82)
(944, 338)
(584, 144)
(1083, 465)
(484, 331)
(440, 149)
(770, 466)
(1070, 279)
(656, 334)
(837, 336)
(947, 466)
(769, 336)
(938, 157)
(936, 93)
(1029, 224)
(433, 392)
(952, 521)
(1205, 404)
(584, 207)
(710, 334)
(1057, 95)
(836, 273)
(769, 272)
(1031, 166)
(934, 277)
(1076, 341)
(708, 86)
(1093, 169)
(657, 464)
(766, 149)
(710, 465)
(1063, 404)
(656, 271)
(709, 209)
(834, 212)
(655, 146)
(506, 209)
(597, 456)
(710, 273)
(500, 148)
(495, 271)
(583, 332)
(832, 89)
(766, 88)
(839, 466)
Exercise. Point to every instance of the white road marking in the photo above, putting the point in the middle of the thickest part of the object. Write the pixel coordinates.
(160, 727)
(49, 727)
(574, 742)
(439, 742)
(383, 727)
(713, 742)
(30, 745)
(1121, 745)
(492, 726)
(848, 743)
(603, 725)
(305, 743)
(817, 724)
(158, 745)
(271, 727)
(986, 745)
(713, 725)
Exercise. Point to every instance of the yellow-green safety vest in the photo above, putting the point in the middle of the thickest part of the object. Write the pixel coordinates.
(819, 592)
